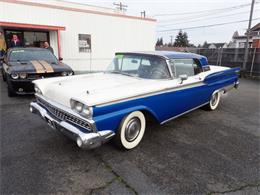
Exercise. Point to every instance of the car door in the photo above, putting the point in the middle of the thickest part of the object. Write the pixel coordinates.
(187, 90)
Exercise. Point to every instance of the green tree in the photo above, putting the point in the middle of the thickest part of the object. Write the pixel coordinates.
(205, 44)
(181, 40)
(159, 42)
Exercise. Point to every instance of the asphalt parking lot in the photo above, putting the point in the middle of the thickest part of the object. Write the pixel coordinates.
(199, 153)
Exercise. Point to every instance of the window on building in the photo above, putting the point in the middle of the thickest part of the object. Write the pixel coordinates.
(84, 43)
(241, 45)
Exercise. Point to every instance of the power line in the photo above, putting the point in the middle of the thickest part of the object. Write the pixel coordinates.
(202, 11)
(204, 26)
(195, 20)
(198, 15)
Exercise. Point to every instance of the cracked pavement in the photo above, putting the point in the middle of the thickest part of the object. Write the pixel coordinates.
(199, 153)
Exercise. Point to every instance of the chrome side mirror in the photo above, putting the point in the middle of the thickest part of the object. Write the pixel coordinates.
(183, 77)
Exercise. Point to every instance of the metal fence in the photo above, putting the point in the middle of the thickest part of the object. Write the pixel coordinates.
(231, 57)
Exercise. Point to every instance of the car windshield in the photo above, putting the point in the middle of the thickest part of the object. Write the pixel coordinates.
(142, 66)
(24, 55)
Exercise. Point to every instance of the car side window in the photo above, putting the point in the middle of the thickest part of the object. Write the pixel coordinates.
(184, 66)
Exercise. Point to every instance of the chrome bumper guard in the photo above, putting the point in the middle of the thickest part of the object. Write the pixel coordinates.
(236, 84)
(84, 140)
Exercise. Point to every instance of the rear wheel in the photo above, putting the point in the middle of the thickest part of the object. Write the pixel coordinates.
(131, 130)
(214, 101)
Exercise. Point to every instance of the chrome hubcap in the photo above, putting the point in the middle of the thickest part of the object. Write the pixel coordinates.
(214, 99)
(132, 129)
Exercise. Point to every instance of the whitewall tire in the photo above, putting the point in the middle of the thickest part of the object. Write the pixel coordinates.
(214, 101)
(131, 130)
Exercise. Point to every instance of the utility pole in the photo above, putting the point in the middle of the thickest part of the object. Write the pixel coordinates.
(120, 6)
(143, 14)
(171, 40)
(248, 35)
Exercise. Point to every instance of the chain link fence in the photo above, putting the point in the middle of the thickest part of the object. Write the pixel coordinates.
(230, 57)
(234, 57)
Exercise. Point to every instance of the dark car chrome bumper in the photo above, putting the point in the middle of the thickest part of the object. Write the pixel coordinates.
(84, 140)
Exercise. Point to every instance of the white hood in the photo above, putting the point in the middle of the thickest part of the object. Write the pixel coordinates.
(95, 89)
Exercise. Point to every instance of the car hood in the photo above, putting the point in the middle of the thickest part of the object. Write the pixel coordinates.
(33, 67)
(96, 89)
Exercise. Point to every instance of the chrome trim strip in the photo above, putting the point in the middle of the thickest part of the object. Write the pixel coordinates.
(224, 89)
(169, 69)
(183, 113)
(166, 90)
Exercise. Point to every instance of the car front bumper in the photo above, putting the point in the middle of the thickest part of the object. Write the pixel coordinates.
(84, 140)
(21, 87)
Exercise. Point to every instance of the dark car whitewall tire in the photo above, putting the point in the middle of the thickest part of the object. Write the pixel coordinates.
(131, 130)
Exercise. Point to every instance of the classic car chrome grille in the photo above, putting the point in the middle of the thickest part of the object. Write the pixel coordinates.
(64, 116)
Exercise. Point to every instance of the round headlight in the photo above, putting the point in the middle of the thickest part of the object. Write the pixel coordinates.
(14, 75)
(79, 107)
(23, 75)
(86, 111)
(64, 74)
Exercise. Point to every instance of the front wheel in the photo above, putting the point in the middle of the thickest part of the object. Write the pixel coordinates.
(3, 75)
(214, 101)
(131, 130)
(10, 90)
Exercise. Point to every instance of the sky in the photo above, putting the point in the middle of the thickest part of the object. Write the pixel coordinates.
(172, 15)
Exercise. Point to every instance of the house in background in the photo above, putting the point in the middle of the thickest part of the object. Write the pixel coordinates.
(239, 41)
(217, 45)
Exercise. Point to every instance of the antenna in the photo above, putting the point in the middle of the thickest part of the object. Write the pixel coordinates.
(120, 6)
(143, 14)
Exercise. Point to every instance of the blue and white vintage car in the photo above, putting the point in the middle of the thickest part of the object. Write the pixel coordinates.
(93, 108)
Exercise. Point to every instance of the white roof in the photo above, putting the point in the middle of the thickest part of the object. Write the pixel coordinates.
(68, 4)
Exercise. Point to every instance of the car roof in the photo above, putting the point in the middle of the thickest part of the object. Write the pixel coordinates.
(171, 55)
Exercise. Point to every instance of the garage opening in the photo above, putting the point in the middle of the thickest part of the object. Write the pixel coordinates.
(33, 35)
(27, 38)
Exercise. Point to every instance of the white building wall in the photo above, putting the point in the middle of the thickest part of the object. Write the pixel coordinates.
(109, 34)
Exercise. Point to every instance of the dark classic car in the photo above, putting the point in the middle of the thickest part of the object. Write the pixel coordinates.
(23, 65)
